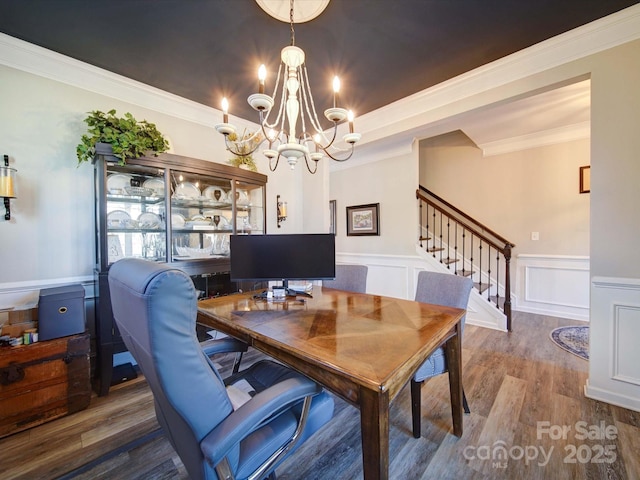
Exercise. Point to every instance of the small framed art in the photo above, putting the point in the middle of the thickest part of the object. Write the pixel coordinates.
(585, 179)
(363, 219)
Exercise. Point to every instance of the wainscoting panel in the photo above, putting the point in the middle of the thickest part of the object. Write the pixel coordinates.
(553, 285)
(614, 356)
(397, 275)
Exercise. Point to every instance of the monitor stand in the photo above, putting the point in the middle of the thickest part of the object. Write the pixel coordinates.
(282, 293)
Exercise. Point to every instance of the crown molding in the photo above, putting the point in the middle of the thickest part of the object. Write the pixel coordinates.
(421, 108)
(567, 133)
(400, 116)
(45, 63)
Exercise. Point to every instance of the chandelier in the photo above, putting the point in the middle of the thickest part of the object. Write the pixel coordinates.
(312, 142)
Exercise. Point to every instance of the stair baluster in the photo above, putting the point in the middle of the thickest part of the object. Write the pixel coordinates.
(476, 232)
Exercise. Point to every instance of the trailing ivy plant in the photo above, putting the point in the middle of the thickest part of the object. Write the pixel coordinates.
(128, 137)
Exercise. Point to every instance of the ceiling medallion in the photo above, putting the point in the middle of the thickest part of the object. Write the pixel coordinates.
(296, 104)
(305, 10)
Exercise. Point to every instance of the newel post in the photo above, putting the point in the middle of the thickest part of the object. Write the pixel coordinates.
(507, 284)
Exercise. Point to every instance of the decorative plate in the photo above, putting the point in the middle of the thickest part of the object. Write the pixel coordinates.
(119, 219)
(149, 220)
(117, 182)
(216, 194)
(177, 220)
(155, 184)
(187, 190)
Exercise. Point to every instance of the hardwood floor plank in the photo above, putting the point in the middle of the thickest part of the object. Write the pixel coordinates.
(502, 421)
(513, 381)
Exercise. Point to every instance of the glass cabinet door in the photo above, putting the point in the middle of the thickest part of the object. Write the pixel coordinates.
(207, 210)
(201, 216)
(135, 213)
(249, 208)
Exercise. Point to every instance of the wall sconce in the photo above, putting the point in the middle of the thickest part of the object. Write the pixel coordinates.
(7, 182)
(282, 210)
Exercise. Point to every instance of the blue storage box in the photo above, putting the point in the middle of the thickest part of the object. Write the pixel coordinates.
(61, 312)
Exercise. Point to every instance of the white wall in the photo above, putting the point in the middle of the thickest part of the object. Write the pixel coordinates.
(514, 194)
(391, 183)
(51, 232)
(51, 236)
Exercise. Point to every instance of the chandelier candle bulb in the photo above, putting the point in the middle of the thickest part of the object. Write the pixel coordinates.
(336, 91)
(350, 117)
(262, 75)
(225, 110)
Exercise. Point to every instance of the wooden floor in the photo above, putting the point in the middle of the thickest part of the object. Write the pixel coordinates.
(522, 390)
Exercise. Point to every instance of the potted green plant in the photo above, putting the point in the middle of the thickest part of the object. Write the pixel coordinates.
(128, 137)
(243, 145)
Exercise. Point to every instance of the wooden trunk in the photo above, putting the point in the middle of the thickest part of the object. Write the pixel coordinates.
(43, 381)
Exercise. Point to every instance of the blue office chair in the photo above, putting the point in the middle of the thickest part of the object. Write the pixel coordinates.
(352, 278)
(440, 289)
(155, 308)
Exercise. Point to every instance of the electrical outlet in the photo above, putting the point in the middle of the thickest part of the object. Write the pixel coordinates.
(535, 235)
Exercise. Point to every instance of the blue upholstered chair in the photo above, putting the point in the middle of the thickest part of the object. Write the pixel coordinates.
(440, 289)
(352, 278)
(155, 308)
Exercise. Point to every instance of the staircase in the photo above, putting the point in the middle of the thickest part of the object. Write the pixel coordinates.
(453, 241)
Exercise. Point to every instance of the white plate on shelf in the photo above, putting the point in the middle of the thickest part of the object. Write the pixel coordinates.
(216, 194)
(149, 220)
(119, 219)
(177, 220)
(220, 222)
(242, 197)
(117, 182)
(155, 184)
(187, 190)
(190, 252)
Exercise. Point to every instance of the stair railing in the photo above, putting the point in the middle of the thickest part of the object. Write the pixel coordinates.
(466, 246)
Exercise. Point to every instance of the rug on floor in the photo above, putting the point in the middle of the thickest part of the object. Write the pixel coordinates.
(574, 339)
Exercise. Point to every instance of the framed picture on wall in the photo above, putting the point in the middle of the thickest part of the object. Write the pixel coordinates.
(585, 179)
(363, 219)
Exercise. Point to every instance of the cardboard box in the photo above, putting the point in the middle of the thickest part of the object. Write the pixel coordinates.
(17, 329)
(25, 315)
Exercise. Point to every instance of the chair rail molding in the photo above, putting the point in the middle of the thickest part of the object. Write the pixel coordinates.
(25, 294)
(614, 357)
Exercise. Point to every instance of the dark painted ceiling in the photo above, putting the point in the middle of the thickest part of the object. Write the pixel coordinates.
(383, 50)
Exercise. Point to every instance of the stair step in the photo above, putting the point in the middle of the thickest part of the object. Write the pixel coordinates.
(465, 273)
(422, 239)
(435, 249)
(481, 287)
(449, 260)
(492, 299)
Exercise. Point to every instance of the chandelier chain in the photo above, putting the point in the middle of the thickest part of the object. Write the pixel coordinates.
(293, 33)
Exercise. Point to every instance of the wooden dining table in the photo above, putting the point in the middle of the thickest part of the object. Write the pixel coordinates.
(362, 347)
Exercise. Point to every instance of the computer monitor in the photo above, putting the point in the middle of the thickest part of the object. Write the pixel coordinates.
(310, 256)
